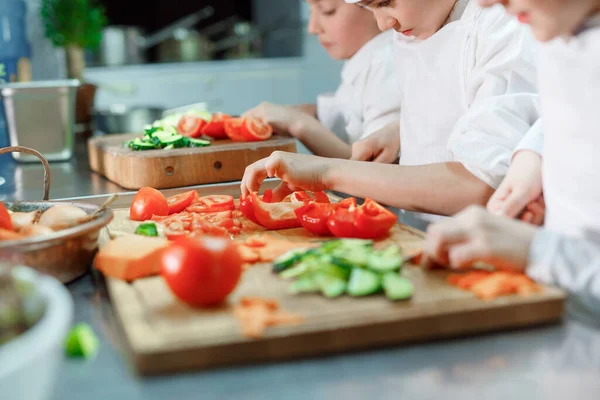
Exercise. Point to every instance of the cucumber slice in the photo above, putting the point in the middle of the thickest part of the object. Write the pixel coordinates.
(305, 284)
(174, 140)
(147, 229)
(331, 286)
(363, 282)
(356, 256)
(386, 260)
(198, 142)
(397, 287)
(142, 146)
(169, 147)
(81, 342)
(334, 271)
(288, 259)
(346, 244)
(295, 271)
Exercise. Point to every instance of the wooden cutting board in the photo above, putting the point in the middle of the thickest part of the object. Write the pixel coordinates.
(222, 161)
(163, 335)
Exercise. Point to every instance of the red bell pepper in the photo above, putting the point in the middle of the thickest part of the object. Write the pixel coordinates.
(268, 196)
(275, 216)
(301, 195)
(313, 217)
(372, 220)
(247, 208)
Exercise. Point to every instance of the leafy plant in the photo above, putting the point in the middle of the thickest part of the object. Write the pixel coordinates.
(73, 22)
(2, 73)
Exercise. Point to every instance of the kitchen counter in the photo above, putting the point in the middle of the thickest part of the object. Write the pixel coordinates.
(551, 362)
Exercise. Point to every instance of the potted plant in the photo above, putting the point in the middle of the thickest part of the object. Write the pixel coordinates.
(75, 25)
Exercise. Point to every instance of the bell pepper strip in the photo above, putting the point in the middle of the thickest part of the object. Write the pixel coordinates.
(313, 217)
(301, 195)
(341, 223)
(275, 216)
(211, 204)
(268, 196)
(247, 208)
(372, 220)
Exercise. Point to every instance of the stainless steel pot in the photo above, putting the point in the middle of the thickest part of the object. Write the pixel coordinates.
(125, 45)
(124, 119)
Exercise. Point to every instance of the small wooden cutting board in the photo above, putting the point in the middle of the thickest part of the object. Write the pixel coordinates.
(222, 161)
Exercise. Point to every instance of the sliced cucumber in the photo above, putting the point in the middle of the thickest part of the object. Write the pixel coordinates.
(346, 244)
(296, 271)
(331, 286)
(147, 229)
(198, 142)
(386, 260)
(305, 284)
(397, 287)
(174, 140)
(363, 282)
(357, 256)
(142, 146)
(288, 259)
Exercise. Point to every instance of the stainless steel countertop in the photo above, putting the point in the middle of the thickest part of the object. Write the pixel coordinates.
(551, 362)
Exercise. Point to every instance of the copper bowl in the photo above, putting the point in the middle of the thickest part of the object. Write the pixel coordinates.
(65, 254)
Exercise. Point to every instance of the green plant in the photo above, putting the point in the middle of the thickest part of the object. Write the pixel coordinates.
(2, 73)
(73, 22)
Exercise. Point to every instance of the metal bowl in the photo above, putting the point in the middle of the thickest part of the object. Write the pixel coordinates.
(65, 254)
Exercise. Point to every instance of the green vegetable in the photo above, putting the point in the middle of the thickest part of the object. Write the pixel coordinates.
(363, 282)
(397, 287)
(147, 229)
(81, 341)
(165, 138)
(350, 266)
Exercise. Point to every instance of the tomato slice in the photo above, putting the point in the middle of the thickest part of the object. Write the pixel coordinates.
(314, 216)
(212, 203)
(5, 219)
(233, 128)
(280, 215)
(255, 129)
(181, 201)
(190, 125)
(372, 220)
(215, 128)
(201, 271)
(146, 203)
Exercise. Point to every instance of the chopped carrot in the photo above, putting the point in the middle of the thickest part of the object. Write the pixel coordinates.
(255, 241)
(488, 285)
(284, 318)
(270, 304)
(249, 254)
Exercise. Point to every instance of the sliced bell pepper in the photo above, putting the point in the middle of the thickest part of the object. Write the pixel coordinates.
(313, 217)
(275, 216)
(268, 196)
(372, 220)
(341, 223)
(247, 208)
(301, 195)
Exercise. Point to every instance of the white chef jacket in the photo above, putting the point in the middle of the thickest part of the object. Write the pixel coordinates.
(567, 251)
(367, 98)
(468, 93)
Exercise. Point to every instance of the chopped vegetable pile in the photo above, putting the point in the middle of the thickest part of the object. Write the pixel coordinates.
(487, 285)
(197, 129)
(345, 266)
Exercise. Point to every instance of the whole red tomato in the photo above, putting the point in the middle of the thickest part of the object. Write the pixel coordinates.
(5, 219)
(201, 271)
(146, 203)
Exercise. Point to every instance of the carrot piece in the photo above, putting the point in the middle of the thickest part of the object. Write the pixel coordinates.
(249, 254)
(472, 278)
(255, 241)
(284, 318)
(250, 301)
(254, 320)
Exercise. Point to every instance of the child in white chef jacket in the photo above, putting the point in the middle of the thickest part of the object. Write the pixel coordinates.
(366, 99)
(566, 251)
(467, 89)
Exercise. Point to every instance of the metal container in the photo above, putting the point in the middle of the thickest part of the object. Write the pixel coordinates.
(120, 118)
(41, 115)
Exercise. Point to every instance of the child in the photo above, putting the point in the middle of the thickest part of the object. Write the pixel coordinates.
(468, 96)
(566, 252)
(366, 99)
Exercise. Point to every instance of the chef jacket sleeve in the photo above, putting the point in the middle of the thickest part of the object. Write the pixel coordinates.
(534, 139)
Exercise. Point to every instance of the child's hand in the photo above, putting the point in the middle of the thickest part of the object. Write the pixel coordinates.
(297, 171)
(535, 212)
(521, 186)
(476, 235)
(284, 120)
(382, 146)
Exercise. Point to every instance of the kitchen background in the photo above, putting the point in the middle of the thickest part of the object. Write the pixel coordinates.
(229, 54)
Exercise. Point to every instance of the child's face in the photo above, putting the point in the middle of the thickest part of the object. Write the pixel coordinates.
(419, 18)
(549, 18)
(342, 28)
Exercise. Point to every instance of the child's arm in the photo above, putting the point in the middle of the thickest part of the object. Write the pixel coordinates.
(443, 188)
(310, 109)
(304, 127)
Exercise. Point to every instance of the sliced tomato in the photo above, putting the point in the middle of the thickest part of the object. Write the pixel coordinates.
(280, 215)
(212, 203)
(201, 271)
(190, 125)
(255, 129)
(5, 219)
(233, 128)
(146, 203)
(181, 201)
(314, 216)
(215, 128)
(372, 220)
